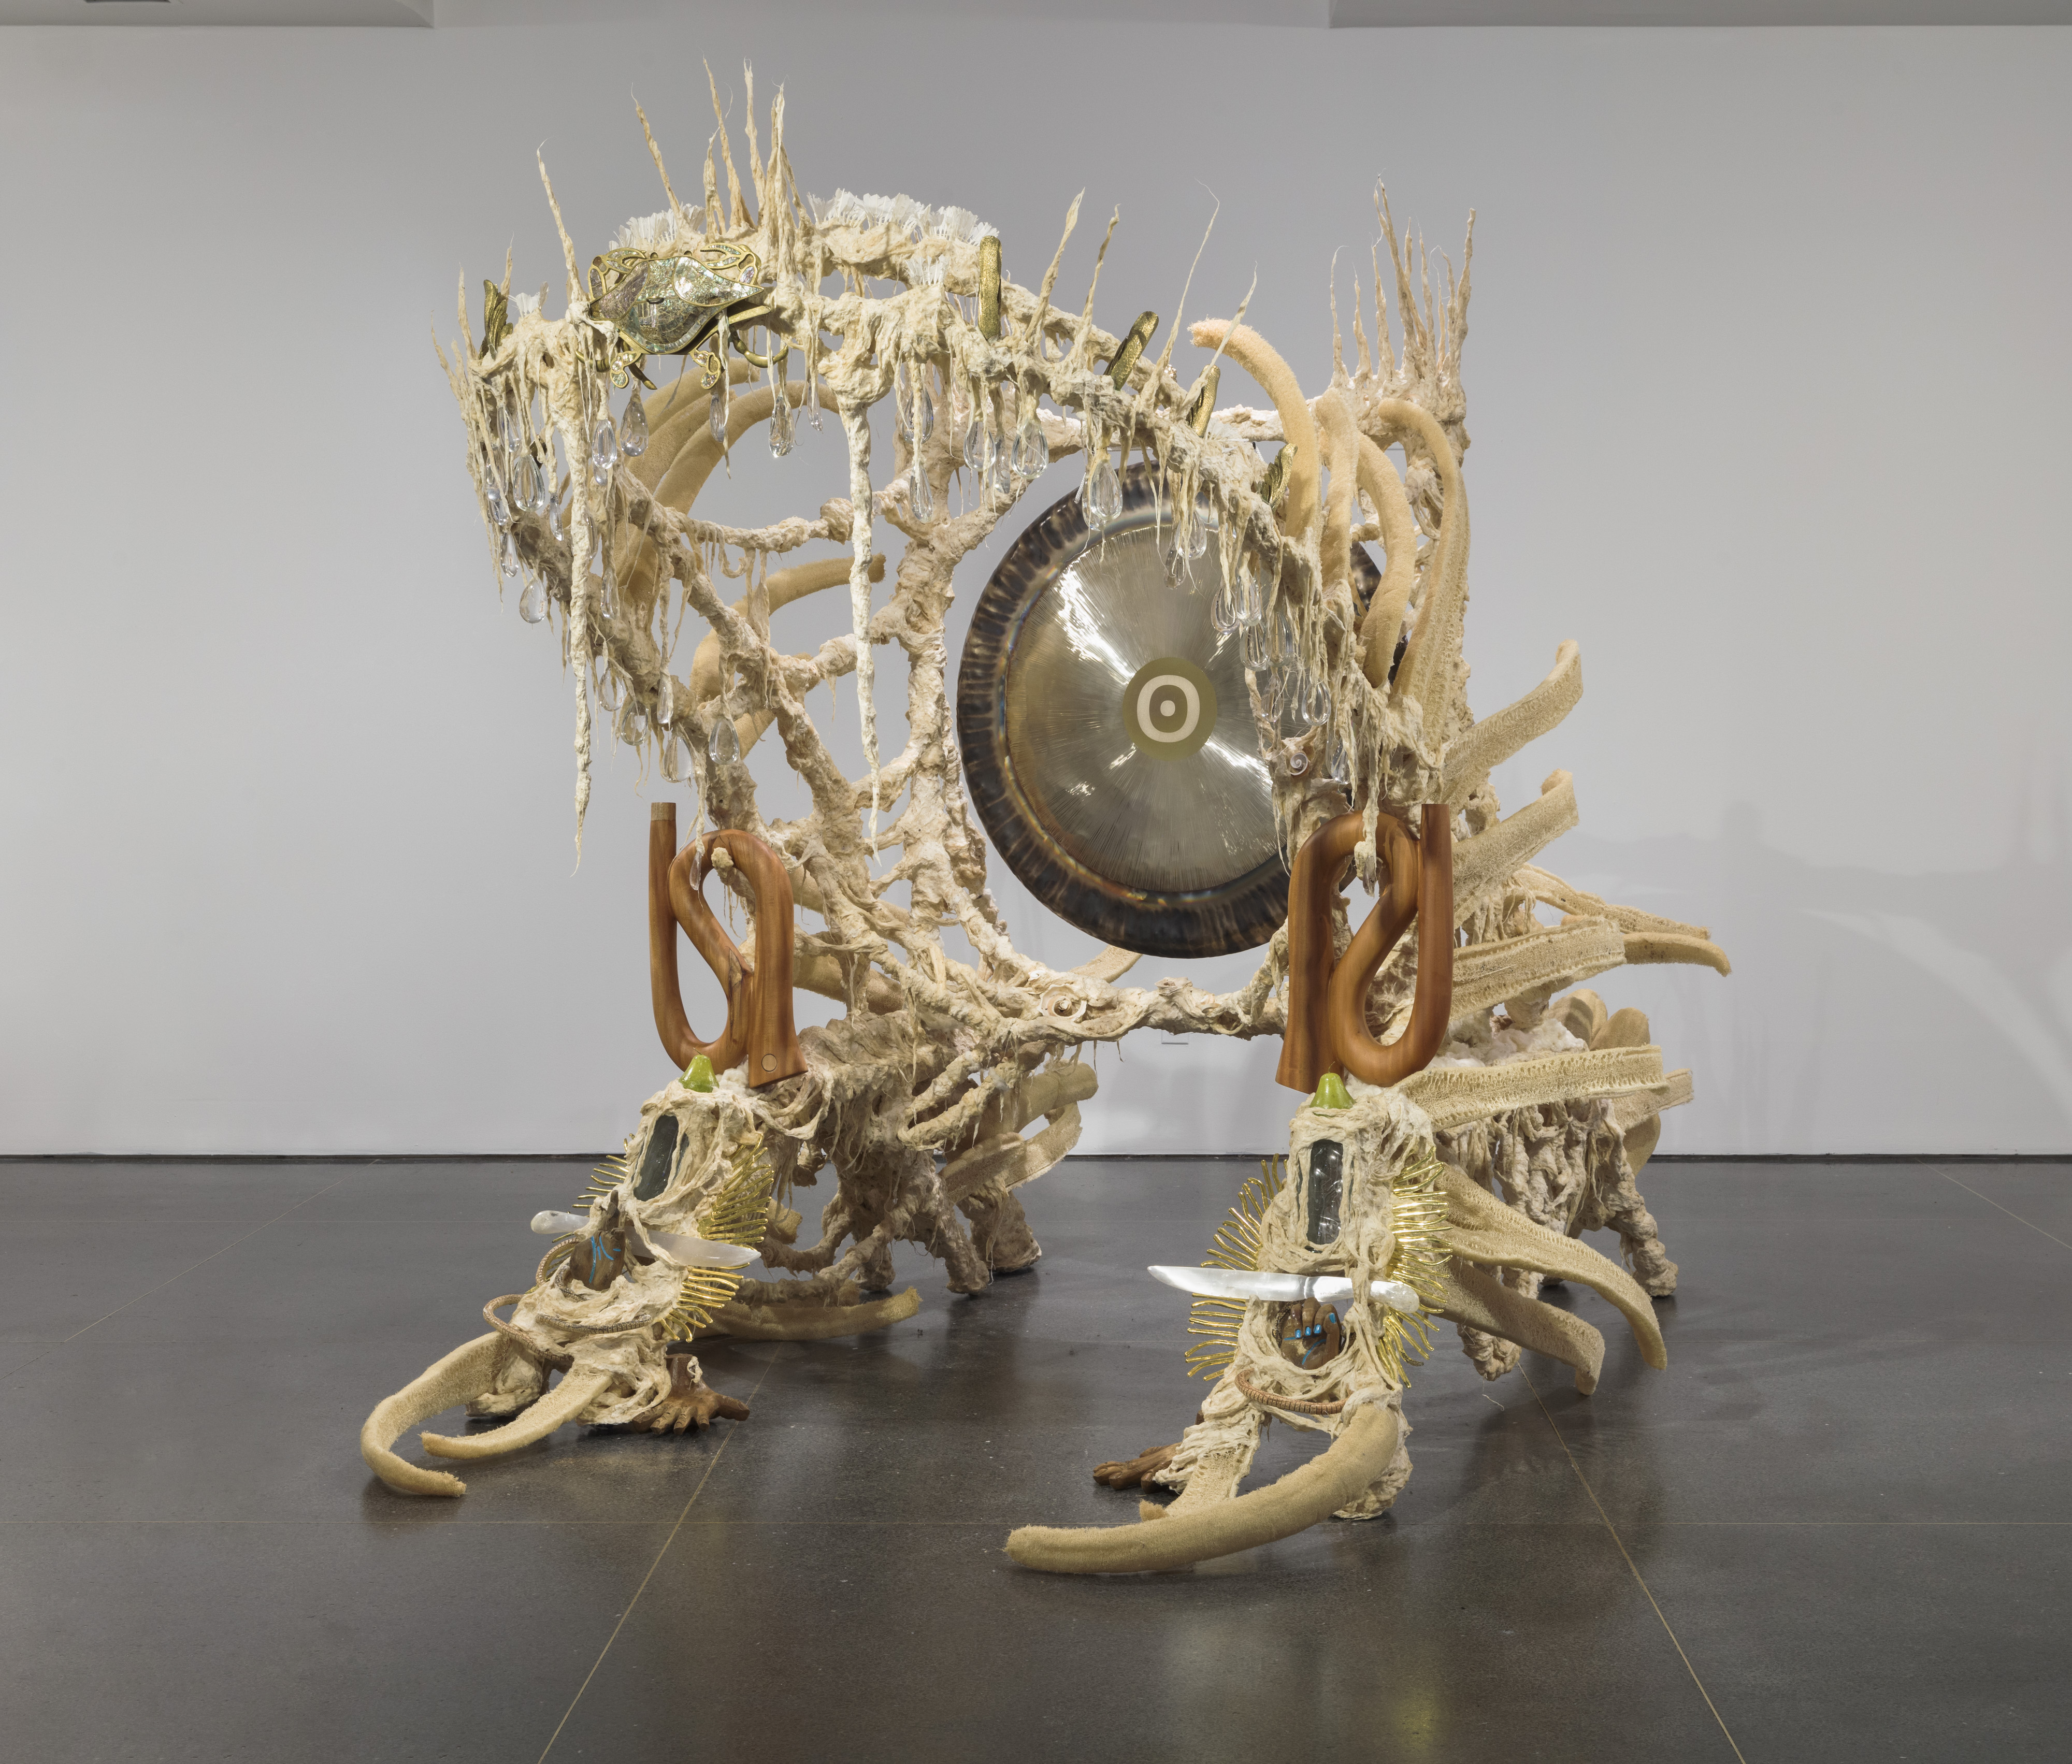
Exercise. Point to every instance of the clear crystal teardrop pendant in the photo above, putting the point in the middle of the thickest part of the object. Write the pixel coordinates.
(507, 557)
(724, 743)
(532, 602)
(633, 427)
(1222, 612)
(1032, 452)
(604, 451)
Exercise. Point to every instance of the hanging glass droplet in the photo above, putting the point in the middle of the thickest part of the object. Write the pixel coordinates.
(975, 448)
(1101, 494)
(999, 478)
(665, 700)
(1256, 654)
(1317, 705)
(1198, 534)
(545, 491)
(506, 431)
(633, 427)
(1337, 767)
(922, 497)
(532, 602)
(604, 451)
(607, 688)
(1284, 645)
(1223, 611)
(525, 483)
(1032, 452)
(1174, 557)
(924, 410)
(507, 557)
(725, 744)
(554, 518)
(716, 415)
(782, 425)
(493, 494)
(1251, 599)
(633, 726)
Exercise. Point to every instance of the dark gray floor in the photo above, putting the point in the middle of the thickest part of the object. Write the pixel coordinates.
(1837, 1528)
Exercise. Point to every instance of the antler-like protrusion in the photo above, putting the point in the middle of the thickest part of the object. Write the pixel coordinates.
(758, 1027)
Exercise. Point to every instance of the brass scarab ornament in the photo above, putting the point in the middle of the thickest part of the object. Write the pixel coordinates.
(676, 303)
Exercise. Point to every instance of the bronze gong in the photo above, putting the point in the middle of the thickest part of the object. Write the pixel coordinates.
(1108, 740)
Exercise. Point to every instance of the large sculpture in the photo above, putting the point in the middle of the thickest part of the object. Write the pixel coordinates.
(951, 1081)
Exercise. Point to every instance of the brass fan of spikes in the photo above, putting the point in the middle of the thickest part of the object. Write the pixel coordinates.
(738, 1213)
(1417, 1221)
(1239, 1241)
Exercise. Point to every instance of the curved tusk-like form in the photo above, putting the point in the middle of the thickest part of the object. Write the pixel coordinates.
(1428, 665)
(811, 1322)
(1354, 1461)
(1383, 621)
(1258, 358)
(461, 1376)
(1483, 1301)
(566, 1401)
(1480, 1228)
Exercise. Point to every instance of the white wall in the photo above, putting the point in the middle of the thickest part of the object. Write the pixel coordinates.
(1767, 379)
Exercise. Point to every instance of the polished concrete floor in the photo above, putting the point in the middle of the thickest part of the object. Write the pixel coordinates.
(1838, 1528)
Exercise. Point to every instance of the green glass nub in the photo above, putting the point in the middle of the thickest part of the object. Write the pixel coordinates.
(1331, 1093)
(698, 1074)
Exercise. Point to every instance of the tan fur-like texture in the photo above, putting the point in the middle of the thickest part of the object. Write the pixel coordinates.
(957, 1075)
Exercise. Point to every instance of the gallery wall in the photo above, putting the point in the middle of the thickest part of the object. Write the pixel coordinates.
(1767, 374)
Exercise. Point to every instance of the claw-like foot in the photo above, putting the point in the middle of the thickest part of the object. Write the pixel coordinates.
(690, 1403)
(1129, 1474)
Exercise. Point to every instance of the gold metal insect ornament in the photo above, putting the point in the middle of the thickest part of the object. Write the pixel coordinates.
(677, 303)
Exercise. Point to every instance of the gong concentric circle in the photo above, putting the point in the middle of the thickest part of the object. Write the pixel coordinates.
(1108, 741)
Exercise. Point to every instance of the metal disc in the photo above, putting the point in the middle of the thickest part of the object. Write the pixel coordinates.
(1108, 741)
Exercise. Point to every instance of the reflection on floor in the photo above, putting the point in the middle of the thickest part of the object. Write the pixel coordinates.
(1839, 1527)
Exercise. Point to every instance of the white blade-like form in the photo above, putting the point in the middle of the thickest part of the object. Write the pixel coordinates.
(1280, 1289)
(688, 1252)
(681, 1247)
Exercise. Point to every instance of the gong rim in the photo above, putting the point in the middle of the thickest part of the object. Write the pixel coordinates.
(1239, 913)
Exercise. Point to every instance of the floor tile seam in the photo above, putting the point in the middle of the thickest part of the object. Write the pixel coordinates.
(712, 1464)
(205, 1260)
(14, 1372)
(2010, 1212)
(1633, 1568)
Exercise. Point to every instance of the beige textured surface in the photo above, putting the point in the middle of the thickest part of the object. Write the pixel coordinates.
(963, 1049)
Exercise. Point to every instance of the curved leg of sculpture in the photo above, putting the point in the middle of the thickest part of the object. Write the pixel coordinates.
(1352, 1462)
(1480, 1228)
(461, 1376)
(1483, 1302)
(561, 1405)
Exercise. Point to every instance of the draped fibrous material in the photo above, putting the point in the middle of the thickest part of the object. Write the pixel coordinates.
(915, 392)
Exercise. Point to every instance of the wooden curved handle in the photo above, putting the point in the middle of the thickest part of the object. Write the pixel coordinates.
(1326, 999)
(758, 1029)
